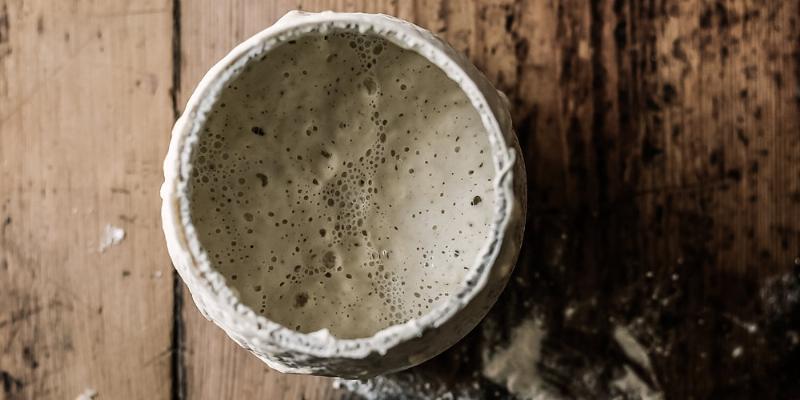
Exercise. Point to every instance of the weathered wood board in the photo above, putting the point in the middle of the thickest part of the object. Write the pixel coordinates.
(84, 115)
(661, 139)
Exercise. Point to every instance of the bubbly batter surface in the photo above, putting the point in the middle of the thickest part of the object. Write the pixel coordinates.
(342, 182)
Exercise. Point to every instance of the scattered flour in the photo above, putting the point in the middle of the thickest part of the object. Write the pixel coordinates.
(372, 389)
(632, 348)
(88, 394)
(631, 383)
(515, 367)
(111, 237)
(748, 326)
(634, 387)
(410, 388)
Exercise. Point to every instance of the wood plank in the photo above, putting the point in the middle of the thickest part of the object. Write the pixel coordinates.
(661, 140)
(84, 119)
(215, 366)
(663, 156)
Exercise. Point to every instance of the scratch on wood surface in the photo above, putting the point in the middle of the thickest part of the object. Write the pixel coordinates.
(158, 357)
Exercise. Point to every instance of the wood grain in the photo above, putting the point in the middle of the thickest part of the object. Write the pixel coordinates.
(661, 140)
(217, 368)
(84, 116)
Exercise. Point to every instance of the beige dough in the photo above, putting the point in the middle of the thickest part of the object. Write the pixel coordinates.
(342, 182)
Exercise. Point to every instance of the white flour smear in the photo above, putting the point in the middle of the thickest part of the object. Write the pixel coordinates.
(631, 384)
(88, 394)
(112, 236)
(515, 367)
(382, 388)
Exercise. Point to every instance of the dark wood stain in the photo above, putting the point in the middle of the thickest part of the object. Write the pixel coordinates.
(4, 25)
(29, 357)
(653, 219)
(11, 385)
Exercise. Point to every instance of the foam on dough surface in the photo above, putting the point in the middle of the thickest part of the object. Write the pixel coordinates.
(342, 182)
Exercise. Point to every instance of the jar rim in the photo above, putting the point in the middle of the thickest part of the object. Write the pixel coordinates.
(207, 285)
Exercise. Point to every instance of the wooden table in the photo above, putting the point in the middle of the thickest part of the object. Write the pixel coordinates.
(661, 138)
